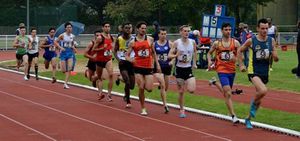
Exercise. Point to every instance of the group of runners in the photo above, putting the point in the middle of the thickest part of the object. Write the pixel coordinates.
(142, 60)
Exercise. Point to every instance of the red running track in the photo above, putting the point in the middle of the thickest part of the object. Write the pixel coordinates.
(39, 110)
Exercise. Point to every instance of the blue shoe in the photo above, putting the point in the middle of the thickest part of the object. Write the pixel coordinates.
(182, 115)
(253, 109)
(248, 123)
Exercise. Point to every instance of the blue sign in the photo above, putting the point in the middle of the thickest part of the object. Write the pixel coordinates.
(211, 26)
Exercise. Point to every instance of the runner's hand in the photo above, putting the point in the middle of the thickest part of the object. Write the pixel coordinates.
(243, 68)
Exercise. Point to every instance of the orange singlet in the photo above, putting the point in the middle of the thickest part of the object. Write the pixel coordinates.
(106, 54)
(224, 55)
(143, 54)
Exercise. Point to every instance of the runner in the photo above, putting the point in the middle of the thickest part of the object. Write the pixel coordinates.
(33, 53)
(142, 62)
(126, 67)
(66, 51)
(226, 51)
(162, 48)
(184, 51)
(22, 43)
(50, 52)
(261, 47)
(90, 54)
(103, 48)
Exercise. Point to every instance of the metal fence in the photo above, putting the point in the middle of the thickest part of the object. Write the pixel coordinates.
(6, 41)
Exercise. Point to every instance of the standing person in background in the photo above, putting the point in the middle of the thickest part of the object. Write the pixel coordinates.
(246, 34)
(22, 43)
(50, 52)
(272, 32)
(33, 53)
(156, 30)
(298, 51)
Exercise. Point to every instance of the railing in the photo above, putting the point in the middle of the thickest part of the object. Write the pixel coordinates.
(6, 41)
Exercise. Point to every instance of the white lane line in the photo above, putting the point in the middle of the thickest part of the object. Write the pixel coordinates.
(30, 128)
(124, 111)
(68, 114)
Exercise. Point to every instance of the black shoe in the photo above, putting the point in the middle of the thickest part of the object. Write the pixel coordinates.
(124, 98)
(118, 82)
(158, 87)
(94, 83)
(237, 92)
(28, 76)
(53, 79)
(37, 78)
(166, 109)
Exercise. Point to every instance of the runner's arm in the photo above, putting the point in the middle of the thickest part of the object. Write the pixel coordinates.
(155, 58)
(129, 50)
(43, 43)
(85, 54)
(171, 45)
(195, 55)
(173, 52)
(240, 51)
(56, 42)
(115, 50)
(210, 53)
(16, 43)
(274, 51)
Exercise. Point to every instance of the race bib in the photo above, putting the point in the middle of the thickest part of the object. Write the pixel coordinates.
(184, 58)
(121, 55)
(262, 54)
(107, 53)
(68, 44)
(52, 48)
(227, 56)
(34, 45)
(143, 53)
(162, 57)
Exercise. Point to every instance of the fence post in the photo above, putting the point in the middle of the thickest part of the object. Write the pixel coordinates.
(6, 44)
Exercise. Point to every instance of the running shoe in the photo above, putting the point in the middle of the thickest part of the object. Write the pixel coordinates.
(53, 80)
(144, 112)
(248, 123)
(66, 86)
(167, 109)
(237, 92)
(128, 105)
(182, 114)
(118, 82)
(101, 96)
(109, 99)
(25, 78)
(235, 120)
(212, 81)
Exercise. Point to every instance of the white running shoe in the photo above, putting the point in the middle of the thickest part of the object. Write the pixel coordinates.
(235, 120)
(66, 86)
(128, 105)
(25, 78)
(144, 112)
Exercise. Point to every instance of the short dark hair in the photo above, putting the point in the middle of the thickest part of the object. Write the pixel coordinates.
(140, 23)
(183, 26)
(162, 29)
(97, 31)
(104, 23)
(225, 25)
(68, 23)
(126, 23)
(51, 28)
(33, 28)
(263, 20)
(22, 27)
